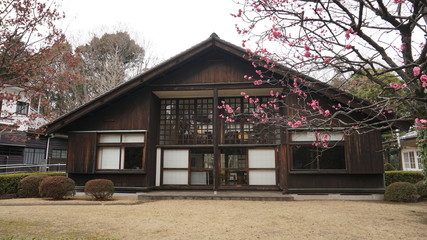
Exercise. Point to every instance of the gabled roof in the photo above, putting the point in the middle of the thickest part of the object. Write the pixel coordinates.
(212, 42)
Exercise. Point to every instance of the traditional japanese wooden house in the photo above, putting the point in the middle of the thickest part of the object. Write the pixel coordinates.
(161, 130)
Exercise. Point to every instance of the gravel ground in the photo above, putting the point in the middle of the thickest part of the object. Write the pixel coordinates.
(125, 218)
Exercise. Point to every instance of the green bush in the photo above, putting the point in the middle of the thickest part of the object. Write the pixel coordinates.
(29, 186)
(389, 167)
(421, 189)
(9, 182)
(403, 176)
(100, 189)
(57, 187)
(401, 192)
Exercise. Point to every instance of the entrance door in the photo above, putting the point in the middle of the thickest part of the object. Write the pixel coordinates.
(234, 169)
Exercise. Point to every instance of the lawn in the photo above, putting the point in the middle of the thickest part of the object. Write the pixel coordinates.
(193, 219)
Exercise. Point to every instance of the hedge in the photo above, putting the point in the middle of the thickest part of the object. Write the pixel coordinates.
(389, 167)
(9, 182)
(421, 189)
(403, 176)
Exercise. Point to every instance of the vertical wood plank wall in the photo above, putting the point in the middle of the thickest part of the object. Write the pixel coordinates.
(363, 152)
(81, 153)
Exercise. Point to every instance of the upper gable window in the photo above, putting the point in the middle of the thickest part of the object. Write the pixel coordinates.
(186, 121)
(244, 131)
(22, 108)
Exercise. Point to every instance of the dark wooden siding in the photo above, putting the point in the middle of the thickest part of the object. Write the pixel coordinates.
(6, 159)
(12, 148)
(130, 112)
(81, 153)
(119, 180)
(215, 67)
(57, 144)
(336, 182)
(363, 153)
(152, 141)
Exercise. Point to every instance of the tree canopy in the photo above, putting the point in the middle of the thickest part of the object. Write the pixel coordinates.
(33, 53)
(107, 62)
(365, 42)
(36, 57)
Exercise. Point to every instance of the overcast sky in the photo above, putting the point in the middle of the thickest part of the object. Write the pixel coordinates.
(170, 26)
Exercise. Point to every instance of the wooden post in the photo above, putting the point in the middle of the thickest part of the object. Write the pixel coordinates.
(216, 129)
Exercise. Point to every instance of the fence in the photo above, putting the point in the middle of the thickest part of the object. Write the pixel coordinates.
(23, 168)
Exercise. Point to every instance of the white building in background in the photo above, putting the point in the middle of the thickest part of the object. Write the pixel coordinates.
(409, 152)
(15, 111)
(20, 142)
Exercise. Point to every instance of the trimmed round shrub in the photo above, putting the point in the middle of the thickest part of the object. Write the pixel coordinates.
(100, 189)
(401, 192)
(28, 187)
(57, 187)
(389, 167)
(421, 189)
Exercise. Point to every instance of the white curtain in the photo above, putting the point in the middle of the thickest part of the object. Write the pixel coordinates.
(109, 138)
(133, 138)
(262, 158)
(311, 136)
(175, 158)
(262, 177)
(175, 177)
(109, 158)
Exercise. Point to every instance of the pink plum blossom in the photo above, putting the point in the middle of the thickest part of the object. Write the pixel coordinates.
(416, 71)
(420, 123)
(327, 113)
(258, 82)
(347, 33)
(327, 60)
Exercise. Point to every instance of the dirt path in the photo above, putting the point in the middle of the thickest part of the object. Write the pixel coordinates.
(191, 219)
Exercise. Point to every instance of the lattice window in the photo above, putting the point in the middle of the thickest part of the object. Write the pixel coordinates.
(186, 121)
(243, 130)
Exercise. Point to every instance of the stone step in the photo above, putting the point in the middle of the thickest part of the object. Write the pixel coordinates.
(210, 195)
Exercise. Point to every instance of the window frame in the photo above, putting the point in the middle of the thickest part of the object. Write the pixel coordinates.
(7, 150)
(309, 143)
(34, 156)
(244, 132)
(121, 145)
(188, 121)
(209, 169)
(62, 153)
(22, 108)
(417, 162)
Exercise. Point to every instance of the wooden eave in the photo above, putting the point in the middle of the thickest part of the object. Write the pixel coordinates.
(179, 60)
